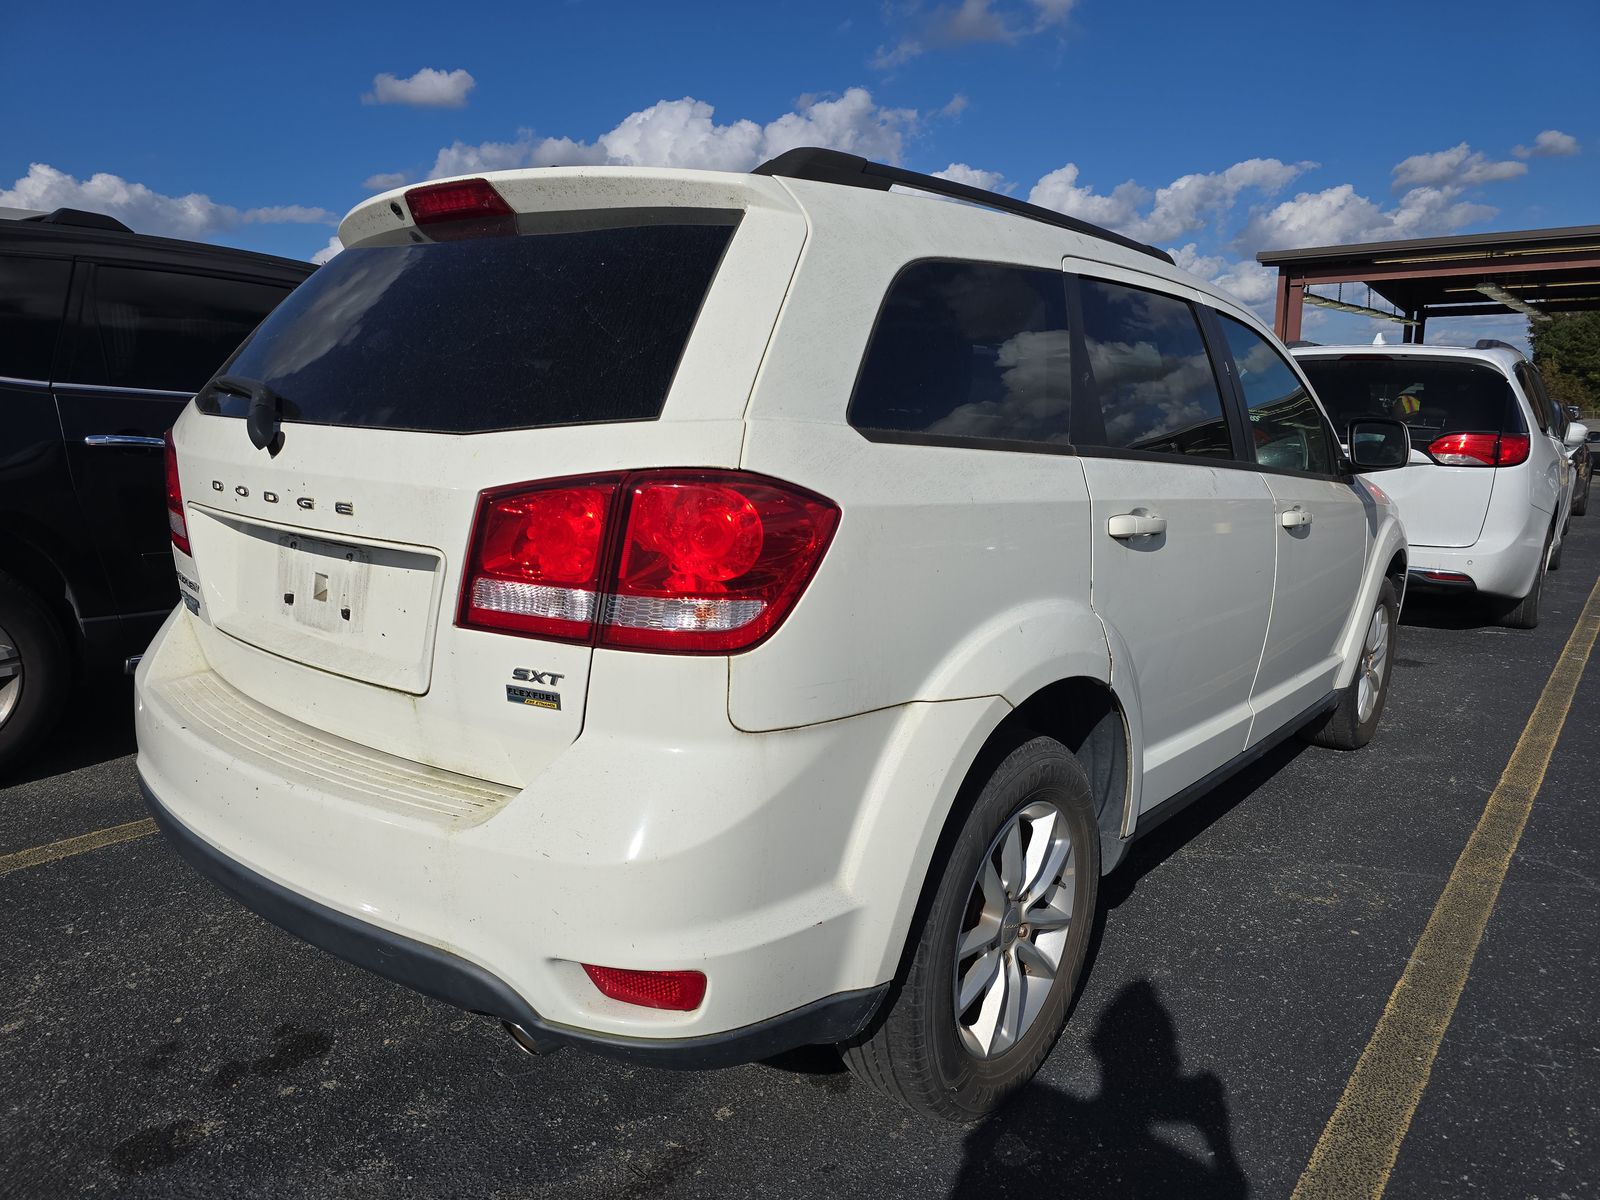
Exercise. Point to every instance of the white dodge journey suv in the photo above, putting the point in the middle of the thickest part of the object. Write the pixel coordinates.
(694, 615)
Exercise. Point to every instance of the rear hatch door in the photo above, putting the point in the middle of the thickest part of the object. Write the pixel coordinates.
(1441, 505)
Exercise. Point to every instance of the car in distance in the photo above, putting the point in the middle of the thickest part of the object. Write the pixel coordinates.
(1488, 491)
(1582, 461)
(674, 612)
(104, 336)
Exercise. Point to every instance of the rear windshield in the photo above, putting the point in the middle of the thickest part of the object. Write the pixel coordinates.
(577, 319)
(1433, 396)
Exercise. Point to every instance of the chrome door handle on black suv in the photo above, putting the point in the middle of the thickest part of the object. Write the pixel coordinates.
(137, 441)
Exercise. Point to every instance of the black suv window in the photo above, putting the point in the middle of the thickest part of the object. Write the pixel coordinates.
(33, 293)
(1151, 374)
(569, 322)
(967, 351)
(1285, 423)
(146, 328)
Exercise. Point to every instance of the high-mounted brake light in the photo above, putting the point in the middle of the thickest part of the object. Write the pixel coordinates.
(1480, 449)
(467, 208)
(679, 991)
(176, 521)
(682, 562)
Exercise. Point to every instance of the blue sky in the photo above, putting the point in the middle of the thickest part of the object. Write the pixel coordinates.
(1213, 129)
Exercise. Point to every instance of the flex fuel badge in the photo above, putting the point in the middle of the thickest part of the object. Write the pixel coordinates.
(534, 696)
(522, 695)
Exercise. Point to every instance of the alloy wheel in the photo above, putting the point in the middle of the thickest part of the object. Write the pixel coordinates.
(10, 675)
(1018, 918)
(1374, 657)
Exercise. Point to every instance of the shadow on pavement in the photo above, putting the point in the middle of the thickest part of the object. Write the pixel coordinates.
(95, 727)
(1432, 610)
(1151, 1131)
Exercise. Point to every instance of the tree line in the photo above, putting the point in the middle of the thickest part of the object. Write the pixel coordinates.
(1566, 349)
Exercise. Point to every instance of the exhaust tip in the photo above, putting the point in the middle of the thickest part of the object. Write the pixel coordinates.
(530, 1043)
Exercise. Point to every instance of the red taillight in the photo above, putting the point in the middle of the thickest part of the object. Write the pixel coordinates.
(680, 991)
(712, 561)
(467, 208)
(176, 521)
(1480, 449)
(685, 562)
(536, 560)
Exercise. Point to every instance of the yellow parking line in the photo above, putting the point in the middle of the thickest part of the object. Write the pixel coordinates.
(81, 844)
(1358, 1147)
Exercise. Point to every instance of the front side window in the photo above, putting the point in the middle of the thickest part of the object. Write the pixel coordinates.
(969, 351)
(1150, 373)
(33, 294)
(163, 330)
(1285, 423)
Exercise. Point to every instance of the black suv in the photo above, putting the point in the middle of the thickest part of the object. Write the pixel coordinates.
(104, 336)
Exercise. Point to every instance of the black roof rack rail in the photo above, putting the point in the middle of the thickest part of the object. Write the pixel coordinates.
(851, 170)
(80, 218)
(1495, 344)
(1301, 342)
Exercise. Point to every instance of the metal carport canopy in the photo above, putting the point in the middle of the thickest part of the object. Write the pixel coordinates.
(1532, 272)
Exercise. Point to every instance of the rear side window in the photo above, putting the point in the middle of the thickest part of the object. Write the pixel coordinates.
(1434, 396)
(1285, 424)
(163, 330)
(568, 322)
(969, 351)
(1150, 373)
(1551, 414)
(33, 293)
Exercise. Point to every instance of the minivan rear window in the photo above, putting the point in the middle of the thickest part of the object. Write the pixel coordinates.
(579, 318)
(1432, 395)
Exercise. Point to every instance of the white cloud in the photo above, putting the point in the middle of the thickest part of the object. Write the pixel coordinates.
(992, 181)
(970, 21)
(428, 88)
(683, 133)
(1340, 214)
(146, 211)
(1244, 279)
(327, 252)
(1552, 143)
(1459, 166)
(384, 180)
(957, 106)
(1182, 206)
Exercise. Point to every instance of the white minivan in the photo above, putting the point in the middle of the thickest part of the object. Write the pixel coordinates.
(1489, 490)
(693, 615)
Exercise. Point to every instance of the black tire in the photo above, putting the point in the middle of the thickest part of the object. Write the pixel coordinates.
(1345, 729)
(1524, 613)
(45, 666)
(914, 1053)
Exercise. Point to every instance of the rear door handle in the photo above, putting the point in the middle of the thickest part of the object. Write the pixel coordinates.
(125, 439)
(1294, 518)
(1129, 525)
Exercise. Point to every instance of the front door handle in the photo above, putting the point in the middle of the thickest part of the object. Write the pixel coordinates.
(125, 439)
(1130, 525)
(1294, 518)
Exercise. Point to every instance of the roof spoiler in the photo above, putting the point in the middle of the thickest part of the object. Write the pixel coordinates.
(851, 170)
(80, 218)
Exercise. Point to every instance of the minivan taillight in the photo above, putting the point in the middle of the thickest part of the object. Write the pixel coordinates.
(1480, 449)
(681, 562)
(176, 522)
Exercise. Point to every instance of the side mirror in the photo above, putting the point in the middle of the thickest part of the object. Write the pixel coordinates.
(1577, 434)
(1574, 411)
(1379, 444)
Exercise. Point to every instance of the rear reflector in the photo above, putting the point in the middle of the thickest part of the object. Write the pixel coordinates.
(683, 562)
(680, 991)
(176, 521)
(1443, 576)
(1480, 449)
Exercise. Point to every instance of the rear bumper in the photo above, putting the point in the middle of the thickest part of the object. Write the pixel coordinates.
(454, 980)
(1498, 564)
(700, 847)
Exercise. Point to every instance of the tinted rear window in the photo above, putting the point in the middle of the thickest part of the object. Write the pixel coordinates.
(563, 324)
(1433, 396)
(33, 293)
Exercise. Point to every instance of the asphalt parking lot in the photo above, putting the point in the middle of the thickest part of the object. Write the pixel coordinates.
(158, 1040)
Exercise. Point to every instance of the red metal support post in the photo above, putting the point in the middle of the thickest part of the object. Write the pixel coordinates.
(1291, 303)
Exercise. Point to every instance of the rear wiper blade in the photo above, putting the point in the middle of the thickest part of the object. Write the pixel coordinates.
(266, 409)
